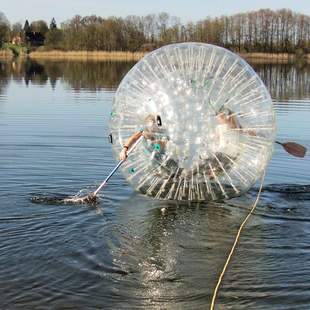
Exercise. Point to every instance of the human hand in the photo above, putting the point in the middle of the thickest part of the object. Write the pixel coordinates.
(123, 154)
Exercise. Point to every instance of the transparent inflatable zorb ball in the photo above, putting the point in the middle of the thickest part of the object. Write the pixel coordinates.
(207, 121)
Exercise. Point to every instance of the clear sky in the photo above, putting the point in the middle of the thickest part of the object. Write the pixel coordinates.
(191, 10)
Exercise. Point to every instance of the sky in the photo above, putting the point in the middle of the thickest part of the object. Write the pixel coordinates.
(191, 10)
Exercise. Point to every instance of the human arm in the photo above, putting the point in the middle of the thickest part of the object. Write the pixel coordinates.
(131, 140)
(232, 122)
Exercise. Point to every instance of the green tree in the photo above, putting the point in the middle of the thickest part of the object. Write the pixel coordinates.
(4, 29)
(17, 29)
(39, 26)
(54, 39)
(27, 27)
(53, 24)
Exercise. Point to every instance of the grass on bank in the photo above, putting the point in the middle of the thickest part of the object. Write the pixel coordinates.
(4, 53)
(284, 56)
(128, 56)
(9, 50)
(96, 55)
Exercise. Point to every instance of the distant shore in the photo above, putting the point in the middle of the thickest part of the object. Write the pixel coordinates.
(6, 54)
(254, 57)
(87, 55)
(129, 56)
(273, 57)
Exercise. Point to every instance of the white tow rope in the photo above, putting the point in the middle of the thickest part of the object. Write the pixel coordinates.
(235, 243)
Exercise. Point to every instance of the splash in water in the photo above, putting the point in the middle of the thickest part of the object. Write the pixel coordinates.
(79, 198)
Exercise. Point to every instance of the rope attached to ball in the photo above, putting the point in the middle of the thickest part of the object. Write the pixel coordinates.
(235, 243)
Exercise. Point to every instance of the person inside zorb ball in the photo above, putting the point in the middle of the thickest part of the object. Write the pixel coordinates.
(206, 119)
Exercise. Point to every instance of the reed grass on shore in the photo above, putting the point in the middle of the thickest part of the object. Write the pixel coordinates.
(282, 56)
(6, 53)
(270, 58)
(130, 56)
(87, 55)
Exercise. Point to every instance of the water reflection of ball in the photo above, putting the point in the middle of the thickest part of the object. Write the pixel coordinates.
(208, 121)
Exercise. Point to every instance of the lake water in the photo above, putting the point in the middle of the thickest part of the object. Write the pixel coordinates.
(129, 251)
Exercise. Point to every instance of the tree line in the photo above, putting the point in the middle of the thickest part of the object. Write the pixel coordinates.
(280, 31)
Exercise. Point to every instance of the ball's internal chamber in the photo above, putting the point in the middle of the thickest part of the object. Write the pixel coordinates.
(207, 121)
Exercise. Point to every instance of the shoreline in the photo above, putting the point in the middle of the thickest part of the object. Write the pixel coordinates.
(54, 55)
(4, 54)
(254, 57)
(87, 55)
(257, 58)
